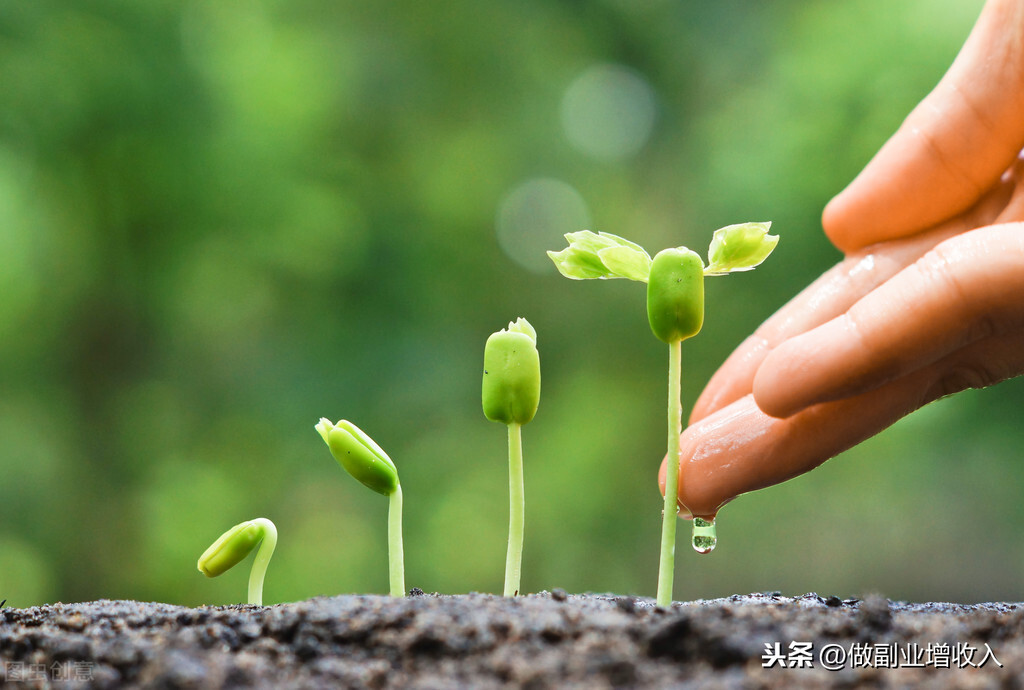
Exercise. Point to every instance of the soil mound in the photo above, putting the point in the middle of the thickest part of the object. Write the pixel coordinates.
(543, 640)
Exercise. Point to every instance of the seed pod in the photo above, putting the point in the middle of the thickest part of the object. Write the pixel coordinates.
(675, 294)
(360, 455)
(230, 549)
(511, 383)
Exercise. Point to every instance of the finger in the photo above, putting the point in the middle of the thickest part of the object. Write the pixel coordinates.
(829, 296)
(740, 448)
(845, 283)
(1013, 207)
(968, 287)
(951, 148)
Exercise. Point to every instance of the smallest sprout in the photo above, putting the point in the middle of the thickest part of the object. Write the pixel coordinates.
(234, 545)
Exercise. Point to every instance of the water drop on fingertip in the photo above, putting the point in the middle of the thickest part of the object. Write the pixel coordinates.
(704, 535)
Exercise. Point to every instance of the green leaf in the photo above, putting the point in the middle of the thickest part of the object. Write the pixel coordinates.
(601, 255)
(626, 262)
(324, 427)
(739, 248)
(578, 266)
(523, 326)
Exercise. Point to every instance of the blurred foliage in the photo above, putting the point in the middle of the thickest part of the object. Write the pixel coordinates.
(221, 221)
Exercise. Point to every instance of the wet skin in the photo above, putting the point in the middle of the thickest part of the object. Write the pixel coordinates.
(928, 301)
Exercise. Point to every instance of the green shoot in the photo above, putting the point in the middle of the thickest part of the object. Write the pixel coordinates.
(234, 545)
(366, 461)
(511, 394)
(675, 311)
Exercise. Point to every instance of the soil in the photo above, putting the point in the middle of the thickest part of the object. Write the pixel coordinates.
(543, 640)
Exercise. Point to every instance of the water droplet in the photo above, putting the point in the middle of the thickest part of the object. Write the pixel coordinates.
(704, 535)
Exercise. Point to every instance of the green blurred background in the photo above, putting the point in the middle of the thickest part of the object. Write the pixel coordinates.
(220, 221)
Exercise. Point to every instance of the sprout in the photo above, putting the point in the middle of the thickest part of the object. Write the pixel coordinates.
(511, 393)
(234, 545)
(367, 462)
(675, 311)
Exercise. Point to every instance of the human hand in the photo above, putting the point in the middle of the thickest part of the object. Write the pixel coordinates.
(951, 149)
(911, 314)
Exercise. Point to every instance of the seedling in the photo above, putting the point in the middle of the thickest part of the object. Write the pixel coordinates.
(675, 311)
(367, 462)
(234, 545)
(511, 393)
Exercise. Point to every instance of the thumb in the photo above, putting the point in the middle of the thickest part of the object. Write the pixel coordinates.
(951, 149)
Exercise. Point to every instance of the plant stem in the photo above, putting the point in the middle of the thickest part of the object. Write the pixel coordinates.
(259, 565)
(516, 510)
(666, 568)
(396, 553)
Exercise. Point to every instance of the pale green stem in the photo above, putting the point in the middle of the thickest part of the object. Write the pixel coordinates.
(516, 510)
(666, 569)
(396, 553)
(259, 565)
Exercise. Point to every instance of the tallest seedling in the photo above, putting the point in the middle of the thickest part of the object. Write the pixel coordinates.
(675, 310)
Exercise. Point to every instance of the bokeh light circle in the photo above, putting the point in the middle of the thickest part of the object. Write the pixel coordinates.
(533, 217)
(608, 112)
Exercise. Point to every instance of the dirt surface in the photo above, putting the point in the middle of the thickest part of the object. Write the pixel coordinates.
(536, 641)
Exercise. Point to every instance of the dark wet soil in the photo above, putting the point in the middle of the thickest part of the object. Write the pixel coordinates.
(544, 640)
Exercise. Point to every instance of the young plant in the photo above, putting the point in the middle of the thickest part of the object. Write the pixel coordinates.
(675, 311)
(511, 393)
(234, 545)
(367, 462)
